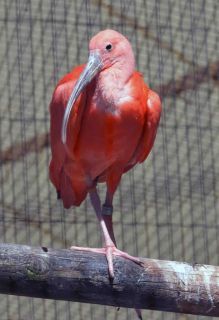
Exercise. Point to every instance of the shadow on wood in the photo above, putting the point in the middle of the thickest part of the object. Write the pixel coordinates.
(81, 276)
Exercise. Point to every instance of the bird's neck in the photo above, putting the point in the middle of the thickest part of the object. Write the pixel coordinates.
(112, 84)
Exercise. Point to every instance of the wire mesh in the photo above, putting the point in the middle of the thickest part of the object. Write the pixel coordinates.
(166, 208)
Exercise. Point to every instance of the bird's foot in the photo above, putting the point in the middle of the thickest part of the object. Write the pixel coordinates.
(109, 251)
(112, 250)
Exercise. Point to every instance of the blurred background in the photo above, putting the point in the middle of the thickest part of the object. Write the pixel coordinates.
(166, 208)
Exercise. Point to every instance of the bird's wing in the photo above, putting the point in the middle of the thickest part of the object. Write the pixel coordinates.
(57, 108)
(152, 118)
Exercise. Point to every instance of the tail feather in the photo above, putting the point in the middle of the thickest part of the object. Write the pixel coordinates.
(70, 182)
(72, 190)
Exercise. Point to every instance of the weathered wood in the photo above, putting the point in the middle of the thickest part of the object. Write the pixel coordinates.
(82, 276)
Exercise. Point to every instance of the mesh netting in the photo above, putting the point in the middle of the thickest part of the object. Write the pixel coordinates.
(166, 208)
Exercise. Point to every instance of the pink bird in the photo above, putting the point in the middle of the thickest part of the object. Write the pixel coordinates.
(104, 120)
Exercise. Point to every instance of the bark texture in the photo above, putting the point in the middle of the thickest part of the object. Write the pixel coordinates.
(81, 276)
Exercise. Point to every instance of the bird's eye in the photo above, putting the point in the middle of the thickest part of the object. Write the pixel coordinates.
(109, 47)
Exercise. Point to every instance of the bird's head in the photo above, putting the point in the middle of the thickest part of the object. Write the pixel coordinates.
(107, 49)
(112, 48)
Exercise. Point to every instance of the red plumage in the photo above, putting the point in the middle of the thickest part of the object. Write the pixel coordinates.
(101, 144)
(104, 120)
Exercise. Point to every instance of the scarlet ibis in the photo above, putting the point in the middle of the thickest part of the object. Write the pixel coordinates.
(104, 120)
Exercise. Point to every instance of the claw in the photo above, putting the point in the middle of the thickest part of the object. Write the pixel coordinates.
(109, 251)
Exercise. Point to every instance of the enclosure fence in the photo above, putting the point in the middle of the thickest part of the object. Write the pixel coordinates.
(166, 208)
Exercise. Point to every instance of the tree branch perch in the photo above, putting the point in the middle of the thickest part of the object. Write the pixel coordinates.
(81, 276)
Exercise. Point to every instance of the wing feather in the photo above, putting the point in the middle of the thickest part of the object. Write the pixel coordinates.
(57, 109)
(146, 141)
(150, 126)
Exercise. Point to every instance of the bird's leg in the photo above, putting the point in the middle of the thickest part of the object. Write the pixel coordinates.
(107, 215)
(105, 218)
(107, 230)
(105, 221)
(107, 211)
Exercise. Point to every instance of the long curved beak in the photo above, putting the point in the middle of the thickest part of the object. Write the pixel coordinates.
(93, 66)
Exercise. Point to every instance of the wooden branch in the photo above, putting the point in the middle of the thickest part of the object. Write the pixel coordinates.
(81, 276)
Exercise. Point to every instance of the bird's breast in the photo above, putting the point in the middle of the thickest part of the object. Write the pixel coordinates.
(110, 92)
(108, 137)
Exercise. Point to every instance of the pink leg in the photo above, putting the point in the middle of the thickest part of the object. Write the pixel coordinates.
(109, 244)
(108, 235)
(105, 219)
